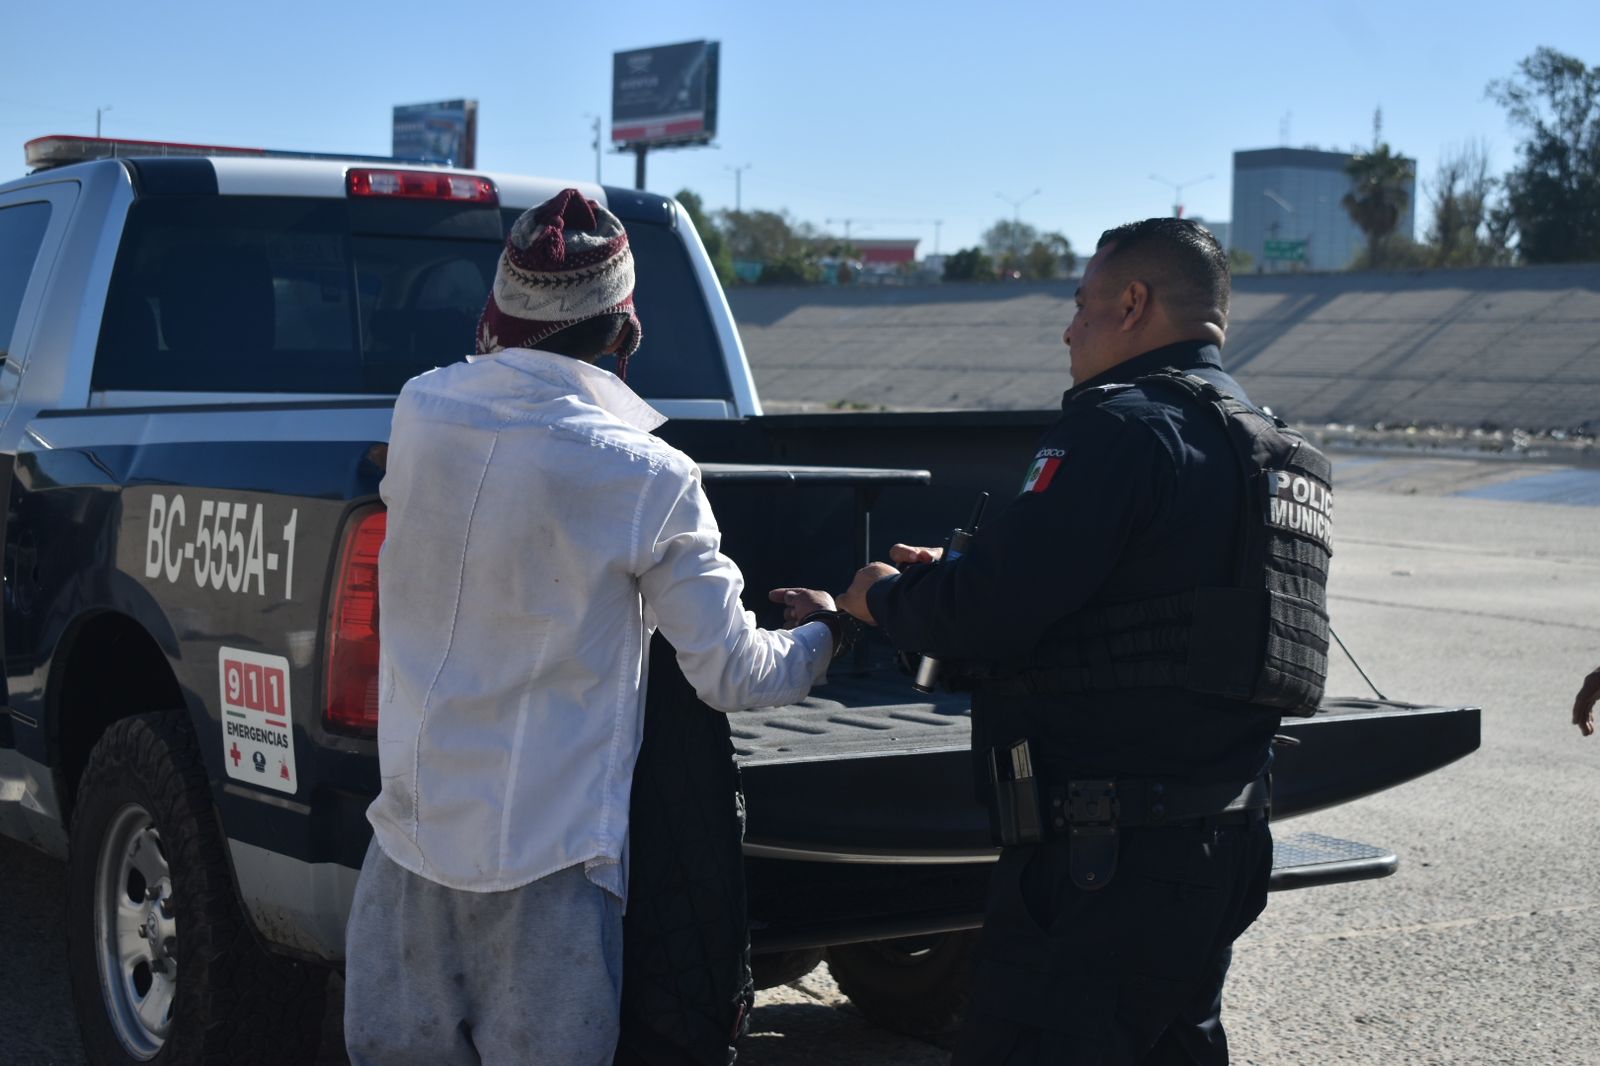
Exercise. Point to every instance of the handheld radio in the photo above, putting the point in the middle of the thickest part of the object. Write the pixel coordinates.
(927, 676)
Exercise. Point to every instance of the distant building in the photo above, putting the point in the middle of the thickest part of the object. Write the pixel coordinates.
(1287, 212)
(886, 254)
(882, 260)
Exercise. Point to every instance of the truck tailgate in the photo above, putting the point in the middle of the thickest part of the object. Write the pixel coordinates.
(869, 770)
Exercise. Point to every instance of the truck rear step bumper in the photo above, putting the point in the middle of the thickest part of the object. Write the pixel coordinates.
(1304, 860)
(1299, 860)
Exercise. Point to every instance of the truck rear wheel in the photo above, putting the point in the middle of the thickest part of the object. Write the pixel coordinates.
(915, 985)
(163, 965)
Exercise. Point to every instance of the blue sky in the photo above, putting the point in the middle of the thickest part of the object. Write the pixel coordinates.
(885, 112)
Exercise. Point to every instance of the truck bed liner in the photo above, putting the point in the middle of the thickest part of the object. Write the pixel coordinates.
(854, 716)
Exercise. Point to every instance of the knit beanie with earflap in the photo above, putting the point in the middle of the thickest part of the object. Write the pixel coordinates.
(566, 261)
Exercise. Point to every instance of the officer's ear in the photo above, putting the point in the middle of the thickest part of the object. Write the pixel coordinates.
(1134, 303)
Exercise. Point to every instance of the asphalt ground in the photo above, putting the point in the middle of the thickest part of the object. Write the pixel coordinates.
(1454, 582)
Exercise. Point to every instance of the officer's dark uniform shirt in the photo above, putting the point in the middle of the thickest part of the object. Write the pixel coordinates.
(1134, 493)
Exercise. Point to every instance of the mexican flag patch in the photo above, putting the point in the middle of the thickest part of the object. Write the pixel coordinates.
(1043, 470)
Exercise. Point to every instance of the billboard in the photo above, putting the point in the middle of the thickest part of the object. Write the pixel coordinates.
(445, 132)
(665, 95)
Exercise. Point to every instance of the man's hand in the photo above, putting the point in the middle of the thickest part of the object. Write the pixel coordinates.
(854, 598)
(1583, 706)
(905, 554)
(797, 603)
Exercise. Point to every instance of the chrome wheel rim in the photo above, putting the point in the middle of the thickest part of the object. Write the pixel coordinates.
(136, 933)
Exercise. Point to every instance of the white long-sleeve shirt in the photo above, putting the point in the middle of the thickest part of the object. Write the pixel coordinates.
(537, 534)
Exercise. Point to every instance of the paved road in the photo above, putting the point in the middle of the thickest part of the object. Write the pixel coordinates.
(1483, 949)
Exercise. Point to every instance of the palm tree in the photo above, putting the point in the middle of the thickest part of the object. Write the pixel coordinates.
(1380, 191)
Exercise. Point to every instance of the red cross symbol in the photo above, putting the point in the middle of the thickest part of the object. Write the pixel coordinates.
(235, 754)
(283, 769)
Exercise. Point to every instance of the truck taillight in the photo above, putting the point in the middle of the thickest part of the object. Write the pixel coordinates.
(352, 681)
(421, 185)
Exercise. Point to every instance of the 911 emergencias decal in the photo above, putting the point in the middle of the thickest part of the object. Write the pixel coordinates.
(257, 727)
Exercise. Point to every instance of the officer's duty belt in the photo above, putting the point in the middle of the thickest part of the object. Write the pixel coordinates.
(1029, 809)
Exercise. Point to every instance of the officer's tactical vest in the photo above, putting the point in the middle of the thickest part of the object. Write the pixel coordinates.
(1264, 639)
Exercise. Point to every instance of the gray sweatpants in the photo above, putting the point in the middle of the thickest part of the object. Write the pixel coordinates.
(436, 976)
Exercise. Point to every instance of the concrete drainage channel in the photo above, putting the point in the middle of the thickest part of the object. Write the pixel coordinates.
(1512, 480)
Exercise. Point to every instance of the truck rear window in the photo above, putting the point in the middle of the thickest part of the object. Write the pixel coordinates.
(224, 294)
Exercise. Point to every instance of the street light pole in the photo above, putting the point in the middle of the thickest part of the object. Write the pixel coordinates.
(1177, 190)
(1288, 209)
(846, 223)
(97, 113)
(596, 147)
(738, 185)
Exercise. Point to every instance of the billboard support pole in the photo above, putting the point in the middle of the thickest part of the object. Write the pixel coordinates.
(639, 151)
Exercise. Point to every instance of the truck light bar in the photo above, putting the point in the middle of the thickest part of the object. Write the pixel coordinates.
(58, 150)
(421, 185)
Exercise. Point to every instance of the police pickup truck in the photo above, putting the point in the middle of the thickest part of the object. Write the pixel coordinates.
(201, 350)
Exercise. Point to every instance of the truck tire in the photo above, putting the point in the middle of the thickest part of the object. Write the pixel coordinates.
(164, 967)
(916, 985)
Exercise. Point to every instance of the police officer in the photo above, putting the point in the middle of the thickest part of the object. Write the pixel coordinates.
(1132, 626)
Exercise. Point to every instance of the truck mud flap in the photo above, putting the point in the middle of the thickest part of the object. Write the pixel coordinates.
(1304, 860)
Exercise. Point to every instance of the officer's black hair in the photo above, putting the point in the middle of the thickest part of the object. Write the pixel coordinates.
(1179, 259)
(587, 340)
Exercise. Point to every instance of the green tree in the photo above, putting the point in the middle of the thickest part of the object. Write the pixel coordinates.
(1500, 228)
(1049, 256)
(1007, 243)
(1064, 249)
(710, 236)
(1461, 233)
(1378, 196)
(1553, 195)
(761, 236)
(969, 264)
(791, 269)
(1041, 263)
(1240, 261)
(1399, 253)
(786, 248)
